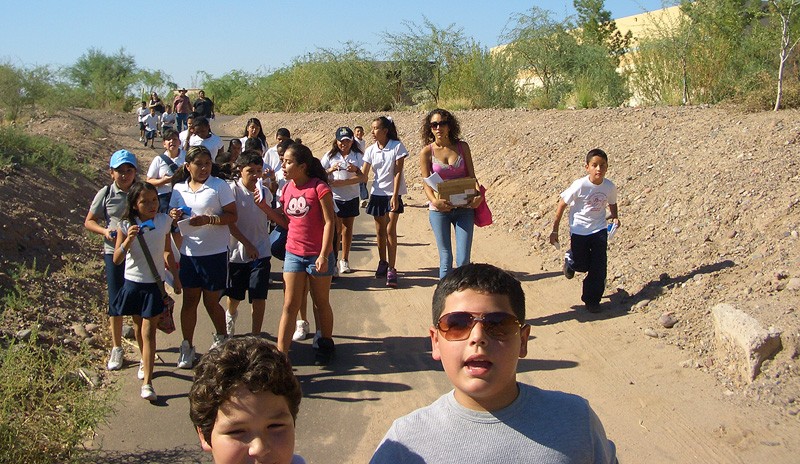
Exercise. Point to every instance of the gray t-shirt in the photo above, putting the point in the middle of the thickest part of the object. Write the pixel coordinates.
(540, 426)
(108, 208)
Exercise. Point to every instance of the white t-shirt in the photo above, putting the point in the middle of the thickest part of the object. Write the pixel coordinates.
(151, 122)
(252, 223)
(587, 205)
(362, 144)
(272, 159)
(168, 119)
(345, 192)
(382, 162)
(141, 113)
(136, 267)
(159, 168)
(213, 143)
(244, 141)
(182, 136)
(208, 199)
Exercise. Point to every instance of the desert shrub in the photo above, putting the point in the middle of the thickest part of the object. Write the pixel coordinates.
(763, 97)
(46, 408)
(17, 147)
(484, 79)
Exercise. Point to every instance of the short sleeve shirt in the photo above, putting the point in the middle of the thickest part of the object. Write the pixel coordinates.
(109, 207)
(383, 161)
(251, 222)
(214, 143)
(346, 192)
(136, 267)
(209, 199)
(303, 208)
(587, 205)
(159, 168)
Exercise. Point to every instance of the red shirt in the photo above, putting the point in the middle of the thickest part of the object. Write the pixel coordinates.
(182, 104)
(303, 207)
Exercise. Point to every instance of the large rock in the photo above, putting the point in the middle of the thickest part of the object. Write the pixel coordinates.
(742, 343)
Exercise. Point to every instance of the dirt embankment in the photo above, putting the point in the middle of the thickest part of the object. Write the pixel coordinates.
(708, 202)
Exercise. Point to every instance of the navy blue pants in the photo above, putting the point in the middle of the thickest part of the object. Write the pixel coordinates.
(589, 255)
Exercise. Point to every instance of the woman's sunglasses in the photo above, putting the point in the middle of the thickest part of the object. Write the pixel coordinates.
(457, 326)
(436, 124)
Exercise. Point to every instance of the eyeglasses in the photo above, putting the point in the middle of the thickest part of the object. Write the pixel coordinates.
(436, 124)
(457, 326)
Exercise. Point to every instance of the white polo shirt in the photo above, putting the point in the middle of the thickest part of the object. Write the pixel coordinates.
(382, 162)
(208, 199)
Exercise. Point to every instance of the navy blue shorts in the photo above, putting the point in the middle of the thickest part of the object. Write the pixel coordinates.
(347, 208)
(379, 205)
(252, 277)
(307, 264)
(138, 299)
(207, 272)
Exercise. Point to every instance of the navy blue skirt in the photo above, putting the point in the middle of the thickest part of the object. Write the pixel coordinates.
(137, 299)
(379, 205)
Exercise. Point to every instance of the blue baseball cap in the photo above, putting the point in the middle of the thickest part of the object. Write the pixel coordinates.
(344, 133)
(121, 157)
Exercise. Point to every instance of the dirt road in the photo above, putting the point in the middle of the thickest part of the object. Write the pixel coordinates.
(654, 409)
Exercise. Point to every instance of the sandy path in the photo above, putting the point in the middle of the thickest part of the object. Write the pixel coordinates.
(652, 408)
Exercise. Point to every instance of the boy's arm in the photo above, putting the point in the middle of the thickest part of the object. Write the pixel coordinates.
(249, 248)
(614, 214)
(559, 212)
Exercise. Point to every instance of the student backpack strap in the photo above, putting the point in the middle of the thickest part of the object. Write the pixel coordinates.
(170, 164)
(105, 204)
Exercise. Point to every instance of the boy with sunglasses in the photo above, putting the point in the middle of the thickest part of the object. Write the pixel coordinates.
(478, 334)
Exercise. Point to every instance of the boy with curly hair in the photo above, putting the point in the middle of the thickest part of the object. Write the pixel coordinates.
(244, 403)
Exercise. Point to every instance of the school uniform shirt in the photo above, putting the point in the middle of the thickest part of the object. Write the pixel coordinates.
(345, 192)
(272, 159)
(587, 205)
(382, 162)
(182, 136)
(151, 122)
(244, 141)
(252, 223)
(141, 113)
(362, 144)
(209, 199)
(303, 208)
(136, 267)
(159, 168)
(109, 207)
(213, 143)
(168, 119)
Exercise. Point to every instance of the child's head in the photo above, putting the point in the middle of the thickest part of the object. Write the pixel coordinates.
(254, 144)
(342, 141)
(172, 141)
(201, 127)
(198, 164)
(235, 149)
(282, 134)
(480, 359)
(123, 168)
(142, 201)
(244, 402)
(253, 129)
(152, 109)
(383, 129)
(596, 165)
(282, 146)
(358, 131)
(144, 104)
(251, 166)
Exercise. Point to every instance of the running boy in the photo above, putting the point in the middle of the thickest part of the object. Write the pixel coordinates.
(150, 126)
(490, 417)
(244, 403)
(587, 199)
(142, 113)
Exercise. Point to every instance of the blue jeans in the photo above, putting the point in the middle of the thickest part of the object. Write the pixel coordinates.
(463, 219)
(181, 121)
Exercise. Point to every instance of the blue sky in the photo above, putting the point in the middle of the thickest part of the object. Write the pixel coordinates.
(219, 36)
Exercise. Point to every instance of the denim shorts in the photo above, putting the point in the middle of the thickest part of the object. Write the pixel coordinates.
(307, 264)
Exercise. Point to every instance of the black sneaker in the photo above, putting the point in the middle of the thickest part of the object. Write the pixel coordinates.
(568, 271)
(383, 268)
(325, 353)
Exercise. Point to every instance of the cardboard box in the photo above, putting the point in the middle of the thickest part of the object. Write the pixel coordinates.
(459, 192)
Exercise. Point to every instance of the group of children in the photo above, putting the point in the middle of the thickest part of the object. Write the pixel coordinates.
(223, 228)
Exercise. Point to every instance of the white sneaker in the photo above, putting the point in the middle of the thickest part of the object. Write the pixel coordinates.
(115, 359)
(217, 340)
(344, 267)
(315, 342)
(301, 331)
(141, 139)
(140, 372)
(148, 393)
(230, 322)
(186, 356)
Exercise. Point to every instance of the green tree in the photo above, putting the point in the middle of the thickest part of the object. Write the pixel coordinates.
(425, 54)
(481, 79)
(598, 28)
(542, 49)
(786, 12)
(107, 79)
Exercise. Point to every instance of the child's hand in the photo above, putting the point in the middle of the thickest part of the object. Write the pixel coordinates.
(110, 235)
(176, 214)
(252, 252)
(321, 265)
(177, 286)
(554, 237)
(132, 231)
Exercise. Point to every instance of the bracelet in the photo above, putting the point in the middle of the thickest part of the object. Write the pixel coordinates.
(213, 219)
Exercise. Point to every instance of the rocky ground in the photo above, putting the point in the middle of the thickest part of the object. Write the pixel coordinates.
(708, 203)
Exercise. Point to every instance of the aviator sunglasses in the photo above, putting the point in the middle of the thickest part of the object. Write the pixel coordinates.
(457, 326)
(436, 124)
